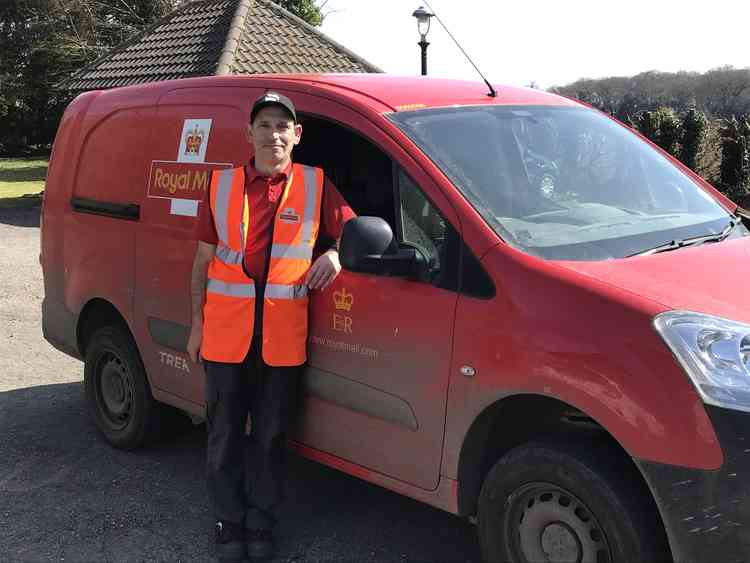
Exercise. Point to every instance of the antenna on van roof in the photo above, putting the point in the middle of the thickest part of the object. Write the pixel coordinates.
(492, 93)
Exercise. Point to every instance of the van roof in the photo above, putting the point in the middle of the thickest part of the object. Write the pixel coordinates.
(402, 93)
(381, 92)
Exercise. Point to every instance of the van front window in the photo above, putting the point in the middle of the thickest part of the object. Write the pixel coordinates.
(563, 183)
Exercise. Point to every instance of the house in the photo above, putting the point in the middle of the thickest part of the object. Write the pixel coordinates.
(218, 37)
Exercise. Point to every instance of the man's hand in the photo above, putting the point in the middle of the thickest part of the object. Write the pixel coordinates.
(194, 342)
(324, 270)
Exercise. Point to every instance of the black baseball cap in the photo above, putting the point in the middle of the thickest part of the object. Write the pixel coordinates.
(273, 98)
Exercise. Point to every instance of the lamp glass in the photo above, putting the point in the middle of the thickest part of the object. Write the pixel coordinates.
(423, 25)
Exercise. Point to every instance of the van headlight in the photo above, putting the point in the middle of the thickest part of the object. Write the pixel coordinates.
(714, 352)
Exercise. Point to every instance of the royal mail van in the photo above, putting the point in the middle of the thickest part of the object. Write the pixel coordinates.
(542, 322)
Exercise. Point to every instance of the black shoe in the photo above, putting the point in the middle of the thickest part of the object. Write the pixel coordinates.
(230, 542)
(259, 544)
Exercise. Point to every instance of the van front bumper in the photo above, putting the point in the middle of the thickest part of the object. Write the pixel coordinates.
(707, 513)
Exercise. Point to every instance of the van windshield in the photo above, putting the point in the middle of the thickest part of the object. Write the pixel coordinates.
(563, 183)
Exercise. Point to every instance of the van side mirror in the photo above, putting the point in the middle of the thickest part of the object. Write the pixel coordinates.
(368, 246)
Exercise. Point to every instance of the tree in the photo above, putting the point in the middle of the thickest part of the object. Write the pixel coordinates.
(725, 91)
(308, 10)
(663, 127)
(735, 157)
(693, 137)
(720, 92)
(628, 108)
(44, 41)
(23, 32)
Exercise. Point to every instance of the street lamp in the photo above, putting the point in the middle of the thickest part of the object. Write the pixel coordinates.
(423, 26)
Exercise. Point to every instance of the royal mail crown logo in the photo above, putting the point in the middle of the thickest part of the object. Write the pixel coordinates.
(343, 300)
(194, 140)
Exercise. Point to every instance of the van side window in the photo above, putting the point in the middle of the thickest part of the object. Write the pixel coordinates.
(423, 226)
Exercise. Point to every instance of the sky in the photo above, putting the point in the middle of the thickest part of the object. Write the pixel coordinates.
(546, 42)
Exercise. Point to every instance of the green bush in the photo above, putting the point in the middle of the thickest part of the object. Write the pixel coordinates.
(663, 127)
(694, 126)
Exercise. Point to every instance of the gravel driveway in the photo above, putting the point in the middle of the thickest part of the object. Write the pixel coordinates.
(66, 495)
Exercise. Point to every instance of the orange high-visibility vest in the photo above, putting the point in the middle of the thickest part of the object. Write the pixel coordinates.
(229, 311)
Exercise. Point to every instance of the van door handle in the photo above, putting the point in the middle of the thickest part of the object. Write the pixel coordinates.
(127, 211)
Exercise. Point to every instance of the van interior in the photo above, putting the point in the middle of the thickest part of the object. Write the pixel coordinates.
(360, 171)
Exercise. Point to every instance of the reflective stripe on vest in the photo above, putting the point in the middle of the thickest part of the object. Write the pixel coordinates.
(222, 204)
(310, 199)
(295, 251)
(231, 289)
(227, 255)
(280, 291)
(272, 290)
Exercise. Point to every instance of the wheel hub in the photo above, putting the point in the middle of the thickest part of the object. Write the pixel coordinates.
(554, 526)
(560, 544)
(113, 387)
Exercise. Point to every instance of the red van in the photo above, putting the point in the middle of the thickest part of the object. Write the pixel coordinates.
(541, 323)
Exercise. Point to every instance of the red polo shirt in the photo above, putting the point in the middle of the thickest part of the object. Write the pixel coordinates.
(263, 196)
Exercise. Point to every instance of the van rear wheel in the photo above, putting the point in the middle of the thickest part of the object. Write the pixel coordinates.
(558, 503)
(117, 390)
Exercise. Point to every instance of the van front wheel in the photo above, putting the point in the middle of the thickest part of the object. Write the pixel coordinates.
(117, 391)
(549, 502)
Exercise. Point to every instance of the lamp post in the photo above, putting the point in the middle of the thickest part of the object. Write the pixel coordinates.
(423, 26)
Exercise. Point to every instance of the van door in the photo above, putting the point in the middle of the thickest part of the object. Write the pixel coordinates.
(195, 131)
(100, 231)
(380, 347)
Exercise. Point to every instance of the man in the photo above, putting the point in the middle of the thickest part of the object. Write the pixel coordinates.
(252, 270)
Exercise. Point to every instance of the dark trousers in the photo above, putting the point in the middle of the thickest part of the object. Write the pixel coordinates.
(246, 472)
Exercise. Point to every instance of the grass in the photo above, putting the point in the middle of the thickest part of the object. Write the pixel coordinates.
(21, 181)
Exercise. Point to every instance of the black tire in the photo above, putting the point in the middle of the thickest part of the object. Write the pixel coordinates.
(567, 502)
(117, 391)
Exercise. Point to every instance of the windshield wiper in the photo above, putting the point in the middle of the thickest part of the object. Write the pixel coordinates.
(682, 243)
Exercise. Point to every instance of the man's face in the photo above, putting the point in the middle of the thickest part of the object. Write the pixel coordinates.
(274, 134)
